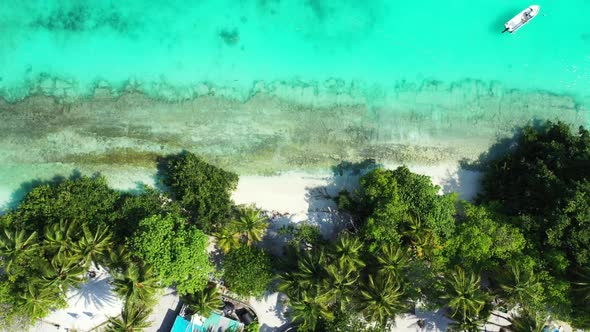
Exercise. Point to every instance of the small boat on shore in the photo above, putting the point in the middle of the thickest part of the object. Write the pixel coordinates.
(521, 19)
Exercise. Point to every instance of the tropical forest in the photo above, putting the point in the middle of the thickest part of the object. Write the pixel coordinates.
(521, 246)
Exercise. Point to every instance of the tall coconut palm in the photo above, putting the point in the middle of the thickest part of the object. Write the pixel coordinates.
(307, 312)
(60, 238)
(134, 318)
(469, 324)
(228, 238)
(290, 284)
(340, 284)
(37, 301)
(13, 244)
(136, 283)
(119, 257)
(311, 267)
(392, 261)
(348, 249)
(205, 301)
(94, 245)
(521, 287)
(464, 295)
(528, 321)
(380, 299)
(251, 224)
(421, 238)
(63, 272)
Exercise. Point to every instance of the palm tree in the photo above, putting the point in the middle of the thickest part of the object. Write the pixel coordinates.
(528, 321)
(521, 287)
(134, 318)
(421, 238)
(37, 301)
(251, 224)
(348, 249)
(311, 269)
(290, 284)
(60, 237)
(205, 301)
(94, 246)
(227, 238)
(380, 299)
(119, 258)
(136, 283)
(62, 271)
(464, 295)
(392, 261)
(307, 312)
(340, 283)
(469, 324)
(13, 244)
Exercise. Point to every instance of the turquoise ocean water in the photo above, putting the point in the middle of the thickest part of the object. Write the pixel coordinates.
(231, 42)
(278, 84)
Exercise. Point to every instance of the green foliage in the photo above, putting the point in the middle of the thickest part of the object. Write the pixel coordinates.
(480, 238)
(392, 261)
(133, 318)
(135, 283)
(201, 188)
(547, 178)
(381, 299)
(253, 327)
(347, 321)
(14, 245)
(309, 311)
(93, 246)
(135, 208)
(464, 295)
(228, 238)
(247, 271)
(303, 235)
(348, 250)
(250, 225)
(178, 253)
(543, 184)
(204, 301)
(390, 197)
(528, 321)
(520, 286)
(36, 302)
(86, 200)
(533, 177)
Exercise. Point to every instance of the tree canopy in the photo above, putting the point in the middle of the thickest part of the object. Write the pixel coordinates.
(389, 199)
(543, 185)
(203, 189)
(247, 270)
(178, 253)
(545, 181)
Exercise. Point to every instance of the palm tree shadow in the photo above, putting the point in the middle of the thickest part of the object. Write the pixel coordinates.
(96, 293)
(323, 210)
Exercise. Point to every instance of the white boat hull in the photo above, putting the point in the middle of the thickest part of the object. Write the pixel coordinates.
(521, 19)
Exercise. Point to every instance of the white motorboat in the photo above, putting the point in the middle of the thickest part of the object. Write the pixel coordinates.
(521, 19)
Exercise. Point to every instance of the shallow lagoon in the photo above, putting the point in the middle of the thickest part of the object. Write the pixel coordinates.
(273, 85)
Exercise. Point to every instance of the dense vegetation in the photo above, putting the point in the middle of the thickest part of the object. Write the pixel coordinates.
(524, 244)
(66, 228)
(202, 189)
(527, 238)
(543, 187)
